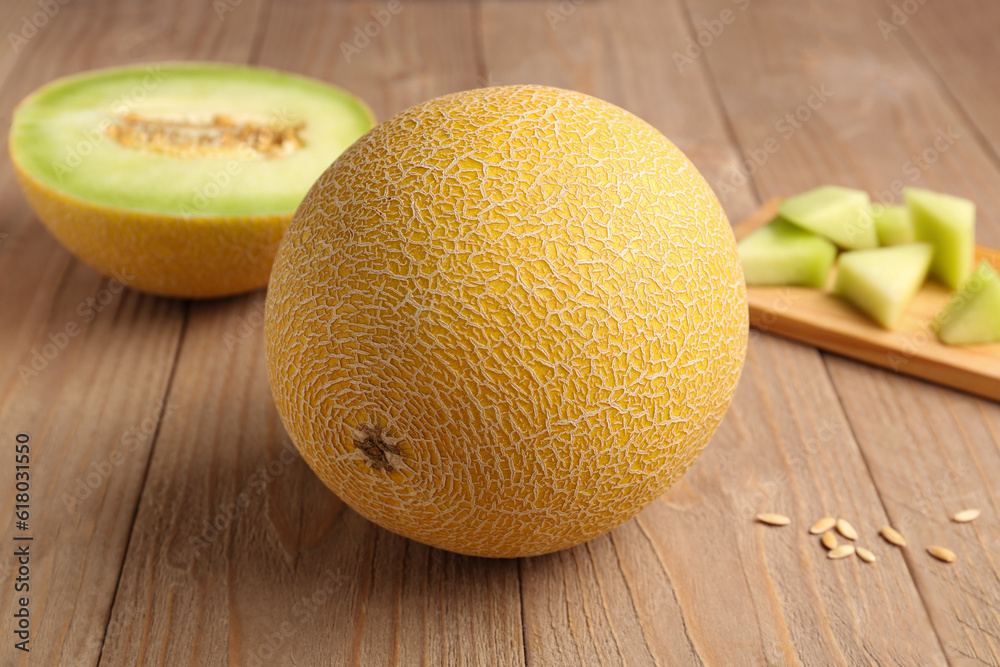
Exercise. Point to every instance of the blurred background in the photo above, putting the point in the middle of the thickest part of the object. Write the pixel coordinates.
(174, 523)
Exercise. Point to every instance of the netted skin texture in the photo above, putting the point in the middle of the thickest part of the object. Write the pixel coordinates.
(506, 320)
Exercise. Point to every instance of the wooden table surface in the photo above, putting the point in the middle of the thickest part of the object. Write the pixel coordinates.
(173, 524)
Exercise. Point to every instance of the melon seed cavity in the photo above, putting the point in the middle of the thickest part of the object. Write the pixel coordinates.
(222, 136)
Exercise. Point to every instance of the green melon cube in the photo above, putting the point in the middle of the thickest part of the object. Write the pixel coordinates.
(842, 215)
(881, 282)
(779, 253)
(892, 224)
(948, 223)
(973, 313)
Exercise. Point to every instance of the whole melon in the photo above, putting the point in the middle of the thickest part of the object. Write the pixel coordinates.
(506, 320)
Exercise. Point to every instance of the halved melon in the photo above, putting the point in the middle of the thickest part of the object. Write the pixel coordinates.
(179, 179)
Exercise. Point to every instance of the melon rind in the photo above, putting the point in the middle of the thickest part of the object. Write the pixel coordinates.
(948, 223)
(533, 294)
(162, 254)
(781, 253)
(840, 214)
(972, 315)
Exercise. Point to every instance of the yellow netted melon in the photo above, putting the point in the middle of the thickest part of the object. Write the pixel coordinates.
(506, 320)
(178, 178)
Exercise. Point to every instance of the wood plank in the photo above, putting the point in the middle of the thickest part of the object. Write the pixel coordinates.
(960, 46)
(103, 358)
(877, 130)
(296, 577)
(693, 580)
(818, 318)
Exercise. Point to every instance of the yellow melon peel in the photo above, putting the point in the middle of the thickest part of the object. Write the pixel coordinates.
(506, 320)
(168, 255)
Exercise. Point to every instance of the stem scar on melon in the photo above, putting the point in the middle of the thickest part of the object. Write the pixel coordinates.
(380, 450)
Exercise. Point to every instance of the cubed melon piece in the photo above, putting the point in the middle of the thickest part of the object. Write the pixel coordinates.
(948, 223)
(892, 224)
(973, 313)
(842, 215)
(780, 253)
(881, 282)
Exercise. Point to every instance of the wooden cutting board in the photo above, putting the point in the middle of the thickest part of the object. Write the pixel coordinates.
(819, 318)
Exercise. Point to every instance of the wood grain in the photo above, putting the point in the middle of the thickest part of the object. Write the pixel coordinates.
(296, 577)
(961, 49)
(212, 543)
(819, 318)
(94, 406)
(884, 113)
(693, 580)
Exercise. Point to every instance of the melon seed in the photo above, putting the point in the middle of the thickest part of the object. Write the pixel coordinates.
(965, 516)
(846, 529)
(774, 519)
(892, 536)
(829, 540)
(823, 525)
(843, 551)
(942, 554)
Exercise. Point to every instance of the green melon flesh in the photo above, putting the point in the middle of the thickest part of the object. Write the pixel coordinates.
(892, 224)
(842, 215)
(61, 135)
(973, 313)
(881, 282)
(781, 253)
(948, 223)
